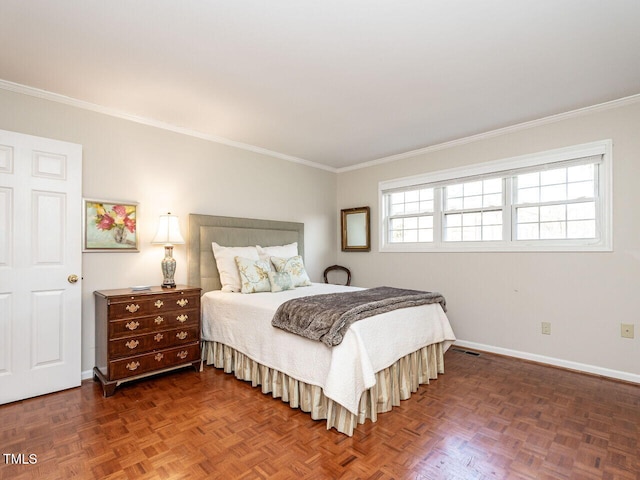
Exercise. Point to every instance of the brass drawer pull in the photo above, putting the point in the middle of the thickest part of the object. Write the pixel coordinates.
(182, 335)
(182, 318)
(159, 320)
(133, 308)
(132, 325)
(182, 302)
(159, 303)
(158, 357)
(132, 344)
(182, 355)
(158, 337)
(133, 366)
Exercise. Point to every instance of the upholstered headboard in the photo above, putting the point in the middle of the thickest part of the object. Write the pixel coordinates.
(232, 232)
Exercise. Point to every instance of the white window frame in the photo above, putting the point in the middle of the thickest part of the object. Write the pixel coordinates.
(604, 203)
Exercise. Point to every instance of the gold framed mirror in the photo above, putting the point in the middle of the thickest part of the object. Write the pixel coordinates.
(356, 230)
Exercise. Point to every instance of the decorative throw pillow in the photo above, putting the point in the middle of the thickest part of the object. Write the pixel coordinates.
(227, 268)
(283, 251)
(293, 266)
(280, 281)
(254, 275)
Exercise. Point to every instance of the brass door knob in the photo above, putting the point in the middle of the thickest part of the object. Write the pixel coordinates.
(72, 278)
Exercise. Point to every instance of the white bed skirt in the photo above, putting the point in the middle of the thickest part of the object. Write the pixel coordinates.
(393, 384)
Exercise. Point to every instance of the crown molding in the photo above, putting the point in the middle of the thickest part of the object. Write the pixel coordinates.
(495, 133)
(55, 97)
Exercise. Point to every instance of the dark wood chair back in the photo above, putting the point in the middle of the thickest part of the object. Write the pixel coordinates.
(337, 268)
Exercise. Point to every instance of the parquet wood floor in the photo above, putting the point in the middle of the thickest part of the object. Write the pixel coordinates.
(488, 417)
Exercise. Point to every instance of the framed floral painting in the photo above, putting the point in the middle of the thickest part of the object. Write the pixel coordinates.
(110, 226)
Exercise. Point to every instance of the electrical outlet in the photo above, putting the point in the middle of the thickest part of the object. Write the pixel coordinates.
(546, 328)
(626, 330)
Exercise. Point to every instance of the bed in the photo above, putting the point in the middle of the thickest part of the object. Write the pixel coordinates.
(345, 385)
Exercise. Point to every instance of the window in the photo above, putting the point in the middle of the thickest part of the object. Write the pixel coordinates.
(551, 201)
(411, 216)
(473, 211)
(556, 204)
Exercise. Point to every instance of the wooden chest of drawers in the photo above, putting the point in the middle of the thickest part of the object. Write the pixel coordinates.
(140, 333)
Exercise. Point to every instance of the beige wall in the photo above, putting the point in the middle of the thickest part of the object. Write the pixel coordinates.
(497, 300)
(166, 171)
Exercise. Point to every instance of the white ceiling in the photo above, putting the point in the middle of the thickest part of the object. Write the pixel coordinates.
(333, 82)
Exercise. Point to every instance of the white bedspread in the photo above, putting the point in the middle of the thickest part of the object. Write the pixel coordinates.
(345, 371)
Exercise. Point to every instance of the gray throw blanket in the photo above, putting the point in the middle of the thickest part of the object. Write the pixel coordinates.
(326, 318)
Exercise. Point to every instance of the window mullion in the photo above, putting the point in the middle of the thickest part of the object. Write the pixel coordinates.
(438, 213)
(508, 211)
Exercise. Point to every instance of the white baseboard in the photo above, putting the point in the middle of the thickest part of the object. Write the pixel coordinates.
(86, 375)
(580, 367)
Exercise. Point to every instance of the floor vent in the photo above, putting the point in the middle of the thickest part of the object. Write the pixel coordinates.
(475, 354)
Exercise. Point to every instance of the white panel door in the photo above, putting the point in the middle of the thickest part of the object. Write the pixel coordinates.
(40, 249)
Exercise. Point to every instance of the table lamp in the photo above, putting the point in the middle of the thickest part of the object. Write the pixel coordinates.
(169, 235)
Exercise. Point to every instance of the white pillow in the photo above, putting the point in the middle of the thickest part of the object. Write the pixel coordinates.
(227, 268)
(294, 266)
(283, 251)
(254, 275)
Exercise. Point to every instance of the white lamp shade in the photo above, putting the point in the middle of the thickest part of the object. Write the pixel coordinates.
(168, 231)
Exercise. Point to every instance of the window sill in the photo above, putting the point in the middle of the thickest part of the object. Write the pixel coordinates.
(466, 247)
